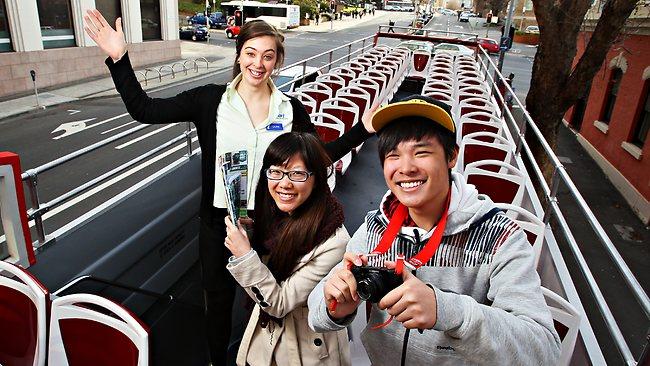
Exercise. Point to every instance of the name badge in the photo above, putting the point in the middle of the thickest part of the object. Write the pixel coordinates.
(274, 127)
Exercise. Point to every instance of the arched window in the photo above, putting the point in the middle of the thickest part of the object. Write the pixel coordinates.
(610, 96)
(643, 121)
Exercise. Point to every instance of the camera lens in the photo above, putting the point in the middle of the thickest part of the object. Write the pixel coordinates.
(365, 289)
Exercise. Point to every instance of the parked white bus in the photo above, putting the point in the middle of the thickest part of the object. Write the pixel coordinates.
(282, 16)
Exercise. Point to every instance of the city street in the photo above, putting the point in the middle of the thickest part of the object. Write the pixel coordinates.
(41, 136)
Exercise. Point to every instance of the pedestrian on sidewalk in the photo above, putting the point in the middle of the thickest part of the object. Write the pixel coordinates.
(250, 108)
(317, 17)
(390, 26)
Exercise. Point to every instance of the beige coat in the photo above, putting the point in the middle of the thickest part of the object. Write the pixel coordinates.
(293, 343)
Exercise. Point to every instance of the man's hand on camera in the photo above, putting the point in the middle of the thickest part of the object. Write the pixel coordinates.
(413, 303)
(342, 287)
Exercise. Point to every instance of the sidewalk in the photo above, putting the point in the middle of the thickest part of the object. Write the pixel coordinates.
(346, 22)
(159, 75)
(156, 76)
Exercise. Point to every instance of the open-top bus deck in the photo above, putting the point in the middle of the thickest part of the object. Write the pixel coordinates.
(140, 248)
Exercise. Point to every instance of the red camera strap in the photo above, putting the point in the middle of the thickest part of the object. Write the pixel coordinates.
(395, 224)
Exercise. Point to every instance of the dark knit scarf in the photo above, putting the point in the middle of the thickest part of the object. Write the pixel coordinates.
(333, 219)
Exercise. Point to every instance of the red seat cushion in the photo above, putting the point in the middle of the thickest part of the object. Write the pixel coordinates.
(327, 134)
(345, 116)
(480, 152)
(91, 343)
(469, 127)
(19, 328)
(499, 190)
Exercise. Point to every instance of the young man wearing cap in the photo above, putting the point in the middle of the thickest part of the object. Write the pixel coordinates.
(469, 283)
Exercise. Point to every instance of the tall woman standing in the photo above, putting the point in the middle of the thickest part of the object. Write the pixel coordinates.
(249, 113)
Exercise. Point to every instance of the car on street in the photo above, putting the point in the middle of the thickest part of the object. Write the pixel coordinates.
(447, 12)
(490, 45)
(532, 29)
(194, 32)
(464, 16)
(217, 20)
(294, 73)
(232, 31)
(454, 49)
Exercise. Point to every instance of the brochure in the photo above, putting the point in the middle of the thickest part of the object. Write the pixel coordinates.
(234, 170)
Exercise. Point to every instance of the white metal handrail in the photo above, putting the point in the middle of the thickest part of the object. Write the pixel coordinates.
(560, 174)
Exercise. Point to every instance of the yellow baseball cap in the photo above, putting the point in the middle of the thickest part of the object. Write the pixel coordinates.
(415, 106)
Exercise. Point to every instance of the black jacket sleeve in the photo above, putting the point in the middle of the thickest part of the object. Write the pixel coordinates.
(337, 148)
(180, 108)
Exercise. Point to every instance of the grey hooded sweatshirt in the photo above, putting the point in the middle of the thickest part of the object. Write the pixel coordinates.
(490, 308)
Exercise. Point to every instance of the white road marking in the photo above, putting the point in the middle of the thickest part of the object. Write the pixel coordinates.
(72, 128)
(73, 111)
(131, 142)
(118, 127)
(108, 183)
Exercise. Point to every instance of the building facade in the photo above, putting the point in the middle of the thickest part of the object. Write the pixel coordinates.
(613, 118)
(47, 36)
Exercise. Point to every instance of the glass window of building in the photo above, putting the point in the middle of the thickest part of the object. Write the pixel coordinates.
(110, 9)
(56, 23)
(643, 122)
(5, 37)
(612, 92)
(150, 13)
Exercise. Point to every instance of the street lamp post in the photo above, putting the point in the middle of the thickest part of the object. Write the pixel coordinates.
(506, 33)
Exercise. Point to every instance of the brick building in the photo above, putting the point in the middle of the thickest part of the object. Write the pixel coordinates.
(613, 119)
(47, 36)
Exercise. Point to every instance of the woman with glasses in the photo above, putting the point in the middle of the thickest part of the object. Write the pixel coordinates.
(249, 113)
(298, 238)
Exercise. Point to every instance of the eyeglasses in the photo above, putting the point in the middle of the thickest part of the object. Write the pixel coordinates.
(293, 175)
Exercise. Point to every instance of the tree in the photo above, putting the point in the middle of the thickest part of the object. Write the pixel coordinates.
(497, 7)
(557, 79)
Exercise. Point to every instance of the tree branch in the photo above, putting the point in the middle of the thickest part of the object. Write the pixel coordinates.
(609, 27)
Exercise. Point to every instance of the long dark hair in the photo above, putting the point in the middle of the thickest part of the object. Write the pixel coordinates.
(293, 235)
(254, 29)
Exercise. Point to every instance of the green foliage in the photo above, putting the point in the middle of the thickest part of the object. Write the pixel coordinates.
(307, 6)
(194, 6)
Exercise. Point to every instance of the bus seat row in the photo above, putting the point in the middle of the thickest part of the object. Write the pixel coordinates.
(76, 329)
(337, 100)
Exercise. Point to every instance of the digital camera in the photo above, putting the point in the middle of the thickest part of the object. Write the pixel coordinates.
(373, 283)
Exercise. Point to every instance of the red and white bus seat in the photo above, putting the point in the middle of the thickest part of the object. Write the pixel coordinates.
(307, 100)
(317, 90)
(358, 96)
(380, 79)
(345, 74)
(330, 128)
(369, 85)
(335, 82)
(83, 333)
(531, 224)
(441, 96)
(506, 185)
(363, 62)
(566, 319)
(354, 67)
(24, 303)
(479, 146)
(343, 109)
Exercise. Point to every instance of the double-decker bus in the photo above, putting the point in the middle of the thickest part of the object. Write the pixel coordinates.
(282, 16)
